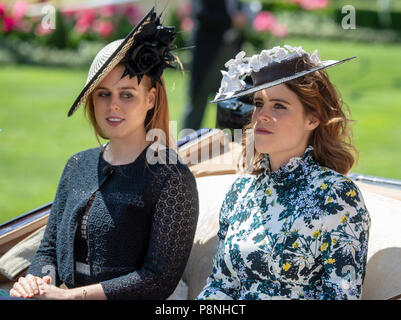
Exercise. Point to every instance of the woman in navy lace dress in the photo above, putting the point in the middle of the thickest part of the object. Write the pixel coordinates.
(122, 224)
(295, 227)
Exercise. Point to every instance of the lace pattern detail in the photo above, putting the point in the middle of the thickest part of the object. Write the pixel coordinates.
(174, 221)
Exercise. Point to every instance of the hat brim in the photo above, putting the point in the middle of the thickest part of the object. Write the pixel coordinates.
(110, 63)
(248, 91)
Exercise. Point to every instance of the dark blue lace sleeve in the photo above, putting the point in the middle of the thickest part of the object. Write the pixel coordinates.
(174, 219)
(44, 262)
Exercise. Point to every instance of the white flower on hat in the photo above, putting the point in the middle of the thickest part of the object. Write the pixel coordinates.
(298, 50)
(281, 54)
(315, 57)
(233, 65)
(290, 48)
(265, 58)
(242, 66)
(230, 84)
(254, 63)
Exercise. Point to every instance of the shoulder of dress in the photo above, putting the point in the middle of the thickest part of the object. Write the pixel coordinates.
(342, 189)
(329, 176)
(85, 154)
(83, 158)
(245, 178)
(241, 182)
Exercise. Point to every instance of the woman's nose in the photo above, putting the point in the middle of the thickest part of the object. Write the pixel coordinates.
(115, 105)
(263, 114)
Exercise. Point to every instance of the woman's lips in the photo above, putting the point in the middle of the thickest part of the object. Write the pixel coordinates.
(262, 131)
(114, 121)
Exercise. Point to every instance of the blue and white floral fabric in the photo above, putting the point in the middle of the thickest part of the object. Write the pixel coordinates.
(300, 232)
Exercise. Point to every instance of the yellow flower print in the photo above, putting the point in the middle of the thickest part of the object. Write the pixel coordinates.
(295, 244)
(324, 246)
(334, 240)
(330, 261)
(351, 193)
(269, 192)
(323, 186)
(344, 219)
(329, 199)
(286, 266)
(316, 234)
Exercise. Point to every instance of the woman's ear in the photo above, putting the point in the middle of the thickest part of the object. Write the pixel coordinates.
(151, 98)
(312, 122)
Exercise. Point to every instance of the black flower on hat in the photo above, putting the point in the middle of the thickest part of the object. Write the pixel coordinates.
(151, 52)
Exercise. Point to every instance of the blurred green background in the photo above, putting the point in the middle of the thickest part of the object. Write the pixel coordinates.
(40, 76)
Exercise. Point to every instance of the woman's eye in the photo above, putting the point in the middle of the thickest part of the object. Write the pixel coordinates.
(126, 95)
(258, 104)
(279, 106)
(103, 94)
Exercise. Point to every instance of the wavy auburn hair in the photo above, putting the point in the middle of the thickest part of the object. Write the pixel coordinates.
(156, 118)
(332, 140)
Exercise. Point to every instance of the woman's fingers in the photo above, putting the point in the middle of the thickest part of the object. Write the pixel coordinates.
(29, 286)
(19, 289)
(33, 283)
(47, 279)
(26, 285)
(14, 293)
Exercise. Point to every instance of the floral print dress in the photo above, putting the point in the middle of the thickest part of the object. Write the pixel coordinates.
(300, 232)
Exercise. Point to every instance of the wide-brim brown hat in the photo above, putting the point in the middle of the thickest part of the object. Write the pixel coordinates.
(267, 69)
(147, 35)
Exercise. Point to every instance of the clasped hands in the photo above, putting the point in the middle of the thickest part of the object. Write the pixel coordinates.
(38, 288)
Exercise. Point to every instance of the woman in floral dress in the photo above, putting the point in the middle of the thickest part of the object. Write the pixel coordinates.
(294, 227)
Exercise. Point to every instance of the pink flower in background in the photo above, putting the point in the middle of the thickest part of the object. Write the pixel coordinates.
(107, 11)
(312, 4)
(19, 9)
(187, 24)
(13, 20)
(3, 7)
(279, 30)
(103, 28)
(8, 24)
(264, 21)
(40, 31)
(85, 20)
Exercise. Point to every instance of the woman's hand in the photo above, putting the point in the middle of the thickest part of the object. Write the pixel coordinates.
(51, 292)
(28, 287)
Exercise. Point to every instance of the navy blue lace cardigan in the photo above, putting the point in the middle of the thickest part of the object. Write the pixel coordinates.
(141, 225)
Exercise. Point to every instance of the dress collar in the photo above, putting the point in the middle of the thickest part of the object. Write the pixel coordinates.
(107, 168)
(295, 166)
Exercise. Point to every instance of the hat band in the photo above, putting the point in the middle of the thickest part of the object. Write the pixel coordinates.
(278, 70)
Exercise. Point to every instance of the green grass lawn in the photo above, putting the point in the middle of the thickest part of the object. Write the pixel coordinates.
(37, 138)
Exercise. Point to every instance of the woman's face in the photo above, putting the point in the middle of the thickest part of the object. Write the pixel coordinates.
(121, 105)
(281, 126)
